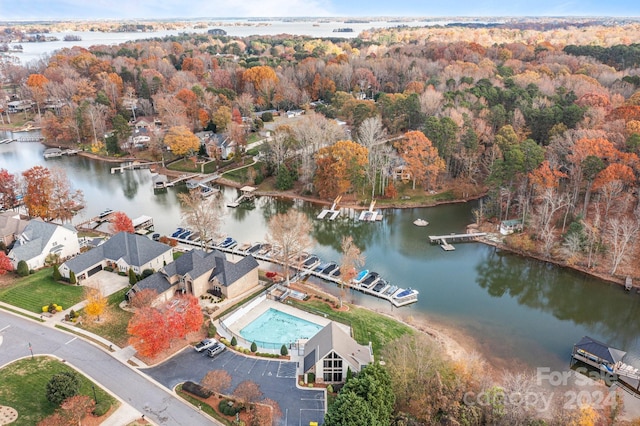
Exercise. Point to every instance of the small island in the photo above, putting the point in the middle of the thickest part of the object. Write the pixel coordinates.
(72, 37)
(343, 30)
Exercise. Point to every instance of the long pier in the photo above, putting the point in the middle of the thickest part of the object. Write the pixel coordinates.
(134, 165)
(305, 272)
(446, 240)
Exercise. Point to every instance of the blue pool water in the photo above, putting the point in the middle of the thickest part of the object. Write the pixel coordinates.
(277, 327)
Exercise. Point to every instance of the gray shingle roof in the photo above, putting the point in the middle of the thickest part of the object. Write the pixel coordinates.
(228, 273)
(195, 263)
(601, 350)
(33, 240)
(333, 338)
(135, 249)
(156, 281)
(10, 224)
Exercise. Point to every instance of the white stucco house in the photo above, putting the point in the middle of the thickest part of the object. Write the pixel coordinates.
(40, 239)
(120, 252)
(331, 352)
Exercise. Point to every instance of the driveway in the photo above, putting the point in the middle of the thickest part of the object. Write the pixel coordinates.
(277, 380)
(107, 282)
(158, 405)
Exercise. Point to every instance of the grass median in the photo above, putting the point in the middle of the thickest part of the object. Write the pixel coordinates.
(24, 384)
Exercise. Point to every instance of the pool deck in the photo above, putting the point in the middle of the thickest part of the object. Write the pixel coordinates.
(265, 305)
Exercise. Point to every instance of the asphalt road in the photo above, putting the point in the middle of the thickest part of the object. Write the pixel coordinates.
(277, 380)
(128, 384)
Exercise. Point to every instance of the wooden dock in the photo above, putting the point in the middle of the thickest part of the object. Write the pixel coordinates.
(446, 240)
(370, 215)
(134, 165)
(247, 193)
(300, 271)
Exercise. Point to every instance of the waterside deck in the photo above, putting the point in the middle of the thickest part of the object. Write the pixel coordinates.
(446, 240)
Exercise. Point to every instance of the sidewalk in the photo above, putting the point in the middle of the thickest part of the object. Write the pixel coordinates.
(125, 414)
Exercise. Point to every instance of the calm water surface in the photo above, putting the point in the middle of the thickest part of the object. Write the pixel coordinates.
(517, 310)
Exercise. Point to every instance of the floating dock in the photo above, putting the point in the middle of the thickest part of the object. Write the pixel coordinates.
(331, 213)
(446, 240)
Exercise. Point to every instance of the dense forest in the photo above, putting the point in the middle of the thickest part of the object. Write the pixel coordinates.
(544, 124)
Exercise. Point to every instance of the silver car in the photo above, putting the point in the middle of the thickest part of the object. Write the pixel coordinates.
(216, 349)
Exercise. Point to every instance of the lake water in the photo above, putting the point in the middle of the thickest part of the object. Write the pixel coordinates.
(235, 28)
(518, 311)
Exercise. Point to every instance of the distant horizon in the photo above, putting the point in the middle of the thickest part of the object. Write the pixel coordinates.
(65, 10)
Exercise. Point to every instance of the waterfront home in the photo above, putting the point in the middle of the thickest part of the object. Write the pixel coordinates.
(120, 252)
(40, 240)
(198, 272)
(331, 352)
(508, 227)
(11, 225)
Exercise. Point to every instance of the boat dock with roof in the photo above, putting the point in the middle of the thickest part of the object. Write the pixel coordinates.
(608, 360)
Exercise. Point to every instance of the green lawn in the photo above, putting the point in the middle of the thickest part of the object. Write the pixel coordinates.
(113, 326)
(367, 326)
(24, 388)
(37, 290)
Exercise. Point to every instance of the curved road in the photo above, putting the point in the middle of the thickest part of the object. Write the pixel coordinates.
(158, 405)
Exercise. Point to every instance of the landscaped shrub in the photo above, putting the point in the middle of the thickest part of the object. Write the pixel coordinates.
(62, 386)
(196, 389)
(146, 273)
(56, 273)
(108, 268)
(122, 274)
(101, 408)
(225, 341)
(311, 377)
(254, 347)
(132, 277)
(72, 278)
(329, 389)
(284, 351)
(52, 308)
(22, 269)
(267, 116)
(228, 408)
(234, 341)
(212, 330)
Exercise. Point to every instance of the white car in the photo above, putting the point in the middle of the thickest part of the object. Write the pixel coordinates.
(205, 344)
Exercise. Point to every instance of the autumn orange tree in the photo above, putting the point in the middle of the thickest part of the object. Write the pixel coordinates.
(148, 332)
(185, 320)
(263, 80)
(5, 263)
(181, 141)
(121, 223)
(341, 168)
(421, 157)
(36, 83)
(37, 181)
(8, 186)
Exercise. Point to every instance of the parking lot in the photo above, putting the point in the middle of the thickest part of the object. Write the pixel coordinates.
(276, 378)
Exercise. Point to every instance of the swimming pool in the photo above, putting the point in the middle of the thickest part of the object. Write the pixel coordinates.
(277, 327)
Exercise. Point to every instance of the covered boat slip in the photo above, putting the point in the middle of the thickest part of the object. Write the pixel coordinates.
(608, 360)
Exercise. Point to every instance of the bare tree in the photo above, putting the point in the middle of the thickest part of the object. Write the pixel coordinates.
(371, 134)
(291, 232)
(248, 392)
(64, 201)
(609, 192)
(217, 381)
(203, 214)
(352, 260)
(621, 239)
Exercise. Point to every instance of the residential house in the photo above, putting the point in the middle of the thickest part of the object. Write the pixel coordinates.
(331, 352)
(220, 146)
(197, 272)
(510, 226)
(11, 225)
(120, 252)
(40, 240)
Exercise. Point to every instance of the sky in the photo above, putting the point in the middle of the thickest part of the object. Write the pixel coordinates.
(163, 9)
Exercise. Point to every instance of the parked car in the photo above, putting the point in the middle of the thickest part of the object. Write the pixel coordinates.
(205, 344)
(155, 237)
(216, 349)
